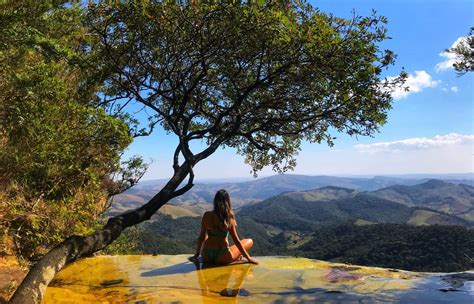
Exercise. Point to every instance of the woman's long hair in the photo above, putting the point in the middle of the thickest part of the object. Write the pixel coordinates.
(223, 208)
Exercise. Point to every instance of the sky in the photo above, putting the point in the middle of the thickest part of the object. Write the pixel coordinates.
(430, 129)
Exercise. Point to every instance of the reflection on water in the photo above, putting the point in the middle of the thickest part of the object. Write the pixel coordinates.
(224, 281)
(165, 279)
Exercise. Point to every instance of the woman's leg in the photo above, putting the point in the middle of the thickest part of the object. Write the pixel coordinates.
(234, 252)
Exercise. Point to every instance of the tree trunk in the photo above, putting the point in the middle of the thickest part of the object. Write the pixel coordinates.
(33, 287)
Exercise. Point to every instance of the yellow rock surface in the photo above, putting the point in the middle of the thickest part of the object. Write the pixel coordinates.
(173, 279)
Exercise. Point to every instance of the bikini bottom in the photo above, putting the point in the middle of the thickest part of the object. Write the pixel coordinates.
(212, 255)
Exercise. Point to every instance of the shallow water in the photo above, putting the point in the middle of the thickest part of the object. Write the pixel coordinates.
(166, 278)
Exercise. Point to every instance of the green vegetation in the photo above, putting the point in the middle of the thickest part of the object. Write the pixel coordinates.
(434, 194)
(58, 150)
(419, 248)
(293, 214)
(464, 52)
(127, 243)
(259, 77)
(427, 248)
(427, 216)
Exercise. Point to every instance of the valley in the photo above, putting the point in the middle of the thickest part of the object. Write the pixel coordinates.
(402, 226)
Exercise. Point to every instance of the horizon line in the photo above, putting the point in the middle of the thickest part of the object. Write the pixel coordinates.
(249, 178)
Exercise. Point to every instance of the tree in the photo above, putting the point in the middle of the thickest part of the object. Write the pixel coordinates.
(57, 151)
(464, 52)
(258, 78)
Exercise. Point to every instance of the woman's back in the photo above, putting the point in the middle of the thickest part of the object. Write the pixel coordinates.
(217, 236)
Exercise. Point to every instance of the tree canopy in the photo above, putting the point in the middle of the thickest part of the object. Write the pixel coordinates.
(257, 78)
(464, 52)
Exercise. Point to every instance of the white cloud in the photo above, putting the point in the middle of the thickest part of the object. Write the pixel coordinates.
(417, 143)
(454, 153)
(415, 84)
(447, 88)
(449, 58)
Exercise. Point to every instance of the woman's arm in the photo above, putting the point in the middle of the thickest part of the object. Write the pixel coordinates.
(235, 237)
(201, 239)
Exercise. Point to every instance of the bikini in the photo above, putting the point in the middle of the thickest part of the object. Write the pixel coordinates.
(212, 254)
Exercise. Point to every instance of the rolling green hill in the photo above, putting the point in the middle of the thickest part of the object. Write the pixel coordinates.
(426, 248)
(306, 210)
(434, 194)
(429, 217)
(297, 211)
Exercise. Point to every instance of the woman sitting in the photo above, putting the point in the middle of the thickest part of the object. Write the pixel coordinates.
(215, 228)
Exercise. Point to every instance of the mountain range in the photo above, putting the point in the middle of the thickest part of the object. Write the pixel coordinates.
(197, 200)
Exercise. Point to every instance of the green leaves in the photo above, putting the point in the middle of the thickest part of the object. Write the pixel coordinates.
(260, 78)
(464, 52)
(56, 146)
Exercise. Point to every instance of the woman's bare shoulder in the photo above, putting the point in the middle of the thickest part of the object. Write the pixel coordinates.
(208, 219)
(207, 215)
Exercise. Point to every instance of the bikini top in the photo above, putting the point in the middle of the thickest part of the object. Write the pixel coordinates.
(216, 232)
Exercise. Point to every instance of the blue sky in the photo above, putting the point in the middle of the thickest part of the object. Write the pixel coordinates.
(429, 130)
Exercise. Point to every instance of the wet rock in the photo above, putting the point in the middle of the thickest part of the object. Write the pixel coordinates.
(167, 279)
(337, 275)
(244, 292)
(111, 282)
(345, 268)
(229, 292)
(449, 289)
(457, 280)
